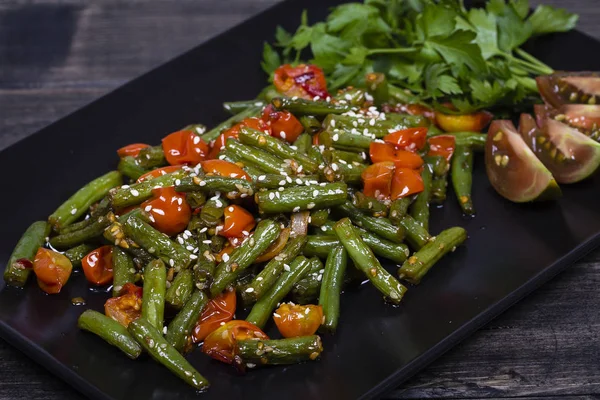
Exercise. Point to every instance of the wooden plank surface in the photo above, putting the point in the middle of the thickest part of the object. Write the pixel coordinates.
(58, 55)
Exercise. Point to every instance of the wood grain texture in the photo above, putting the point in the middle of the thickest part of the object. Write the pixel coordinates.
(58, 55)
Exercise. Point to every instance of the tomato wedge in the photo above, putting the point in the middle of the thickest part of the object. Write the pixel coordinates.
(406, 181)
(97, 266)
(169, 209)
(184, 147)
(131, 149)
(377, 179)
(296, 320)
(283, 124)
(127, 307)
(412, 139)
(305, 81)
(224, 168)
(155, 173)
(236, 221)
(52, 270)
(220, 344)
(442, 145)
(217, 312)
(234, 131)
(381, 152)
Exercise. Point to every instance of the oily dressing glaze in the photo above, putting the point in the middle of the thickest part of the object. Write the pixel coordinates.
(568, 87)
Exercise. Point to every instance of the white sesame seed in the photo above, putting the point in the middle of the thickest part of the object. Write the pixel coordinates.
(276, 315)
(203, 230)
(201, 183)
(332, 123)
(180, 240)
(193, 256)
(286, 267)
(189, 248)
(282, 134)
(324, 228)
(225, 257)
(159, 211)
(271, 196)
(296, 209)
(135, 192)
(310, 206)
(171, 262)
(177, 182)
(125, 187)
(249, 290)
(335, 137)
(262, 178)
(74, 211)
(207, 241)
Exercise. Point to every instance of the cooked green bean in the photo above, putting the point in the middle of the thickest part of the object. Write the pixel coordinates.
(260, 158)
(416, 235)
(153, 300)
(137, 193)
(123, 269)
(301, 198)
(307, 289)
(275, 181)
(231, 187)
(316, 108)
(380, 226)
(252, 353)
(129, 167)
(111, 331)
(20, 262)
(345, 140)
(377, 87)
(181, 289)
(331, 287)
(217, 130)
(419, 209)
(236, 107)
(213, 210)
(462, 177)
(151, 157)
(344, 172)
(369, 205)
(398, 210)
(311, 124)
(77, 253)
(303, 143)
(92, 231)
(181, 326)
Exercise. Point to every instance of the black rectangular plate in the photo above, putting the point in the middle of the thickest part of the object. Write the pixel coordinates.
(512, 249)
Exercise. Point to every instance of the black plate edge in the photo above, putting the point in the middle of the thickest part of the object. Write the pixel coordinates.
(492, 312)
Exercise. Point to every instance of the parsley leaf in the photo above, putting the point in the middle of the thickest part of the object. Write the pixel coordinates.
(459, 49)
(438, 83)
(547, 19)
(271, 60)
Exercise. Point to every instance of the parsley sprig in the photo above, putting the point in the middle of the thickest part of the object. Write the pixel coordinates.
(432, 51)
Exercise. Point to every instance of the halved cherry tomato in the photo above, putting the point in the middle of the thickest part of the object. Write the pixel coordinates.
(220, 344)
(380, 152)
(442, 145)
(466, 122)
(305, 81)
(412, 139)
(406, 181)
(131, 149)
(234, 131)
(224, 168)
(295, 320)
(97, 266)
(377, 179)
(184, 147)
(155, 173)
(283, 124)
(127, 307)
(217, 312)
(52, 270)
(169, 210)
(235, 221)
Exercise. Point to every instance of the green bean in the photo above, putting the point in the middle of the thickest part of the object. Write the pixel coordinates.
(419, 209)
(181, 326)
(398, 209)
(236, 107)
(268, 94)
(78, 204)
(462, 177)
(20, 262)
(278, 148)
(331, 288)
(128, 167)
(233, 188)
(366, 261)
(416, 235)
(217, 130)
(195, 199)
(160, 350)
(92, 231)
(415, 268)
(198, 129)
(77, 253)
(319, 246)
(332, 155)
(301, 198)
(271, 272)
(316, 156)
(252, 169)
(181, 289)
(311, 124)
(137, 193)
(212, 212)
(153, 298)
(157, 243)
(275, 181)
(438, 189)
(151, 157)
(123, 270)
(307, 289)
(243, 256)
(438, 164)
(369, 205)
(380, 226)
(303, 143)
(111, 331)
(217, 243)
(319, 217)
(474, 140)
(263, 308)
(345, 141)
(351, 95)
(251, 353)
(265, 161)
(317, 108)
(344, 172)
(377, 86)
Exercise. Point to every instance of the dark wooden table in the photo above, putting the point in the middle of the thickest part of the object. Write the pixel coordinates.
(57, 55)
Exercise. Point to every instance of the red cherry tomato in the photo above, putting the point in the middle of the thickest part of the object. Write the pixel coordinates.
(377, 179)
(283, 124)
(220, 344)
(184, 147)
(155, 173)
(296, 320)
(127, 307)
(305, 81)
(236, 220)
(234, 131)
(442, 145)
(217, 312)
(406, 181)
(224, 168)
(380, 152)
(412, 139)
(169, 210)
(97, 266)
(52, 270)
(131, 149)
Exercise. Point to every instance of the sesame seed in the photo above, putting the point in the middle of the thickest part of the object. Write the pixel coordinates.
(180, 240)
(282, 134)
(74, 211)
(336, 137)
(203, 230)
(135, 192)
(159, 211)
(324, 228)
(315, 193)
(271, 196)
(125, 187)
(225, 257)
(310, 206)
(276, 315)
(207, 241)
(171, 262)
(249, 290)
(262, 178)
(296, 209)
(202, 183)
(286, 267)
(332, 123)
(177, 182)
